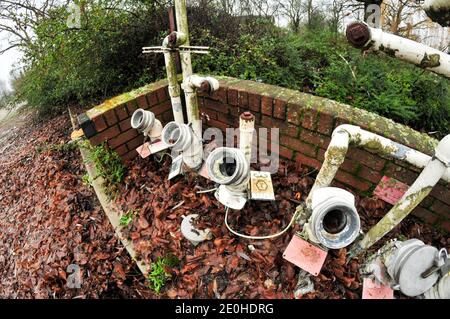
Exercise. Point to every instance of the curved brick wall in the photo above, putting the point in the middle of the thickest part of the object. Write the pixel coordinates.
(305, 122)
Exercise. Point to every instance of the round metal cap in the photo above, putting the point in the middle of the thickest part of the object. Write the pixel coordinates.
(410, 271)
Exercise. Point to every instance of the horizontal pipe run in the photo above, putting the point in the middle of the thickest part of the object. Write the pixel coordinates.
(362, 36)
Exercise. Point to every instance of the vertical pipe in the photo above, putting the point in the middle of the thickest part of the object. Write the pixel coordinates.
(174, 87)
(246, 130)
(193, 112)
(173, 28)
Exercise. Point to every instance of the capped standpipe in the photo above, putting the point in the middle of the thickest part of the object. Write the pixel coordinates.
(362, 36)
(246, 131)
(334, 221)
(182, 139)
(146, 123)
(410, 266)
(229, 168)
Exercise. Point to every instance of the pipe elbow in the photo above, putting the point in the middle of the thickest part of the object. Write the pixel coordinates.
(201, 84)
(442, 151)
(352, 130)
(174, 39)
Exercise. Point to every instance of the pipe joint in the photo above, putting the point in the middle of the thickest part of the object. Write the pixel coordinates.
(194, 83)
(442, 151)
(334, 221)
(181, 138)
(229, 168)
(174, 40)
(146, 123)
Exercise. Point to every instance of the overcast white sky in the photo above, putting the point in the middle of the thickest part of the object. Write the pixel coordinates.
(6, 62)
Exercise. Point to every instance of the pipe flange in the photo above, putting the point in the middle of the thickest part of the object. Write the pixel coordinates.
(143, 120)
(334, 220)
(228, 166)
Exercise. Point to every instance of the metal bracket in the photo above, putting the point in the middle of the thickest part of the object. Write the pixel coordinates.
(181, 49)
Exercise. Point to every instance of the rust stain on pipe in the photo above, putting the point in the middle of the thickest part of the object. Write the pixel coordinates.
(358, 34)
(247, 116)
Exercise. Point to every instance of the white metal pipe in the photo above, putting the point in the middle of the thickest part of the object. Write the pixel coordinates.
(229, 168)
(365, 37)
(146, 122)
(423, 185)
(172, 77)
(182, 139)
(190, 86)
(345, 134)
(246, 131)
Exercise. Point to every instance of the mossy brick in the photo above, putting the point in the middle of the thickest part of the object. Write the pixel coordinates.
(402, 174)
(279, 109)
(311, 137)
(309, 118)
(353, 181)
(325, 124)
(142, 101)
(366, 158)
(125, 98)
(152, 98)
(296, 144)
(121, 112)
(106, 135)
(266, 105)
(290, 130)
(122, 138)
(99, 123)
(441, 208)
(110, 117)
(162, 94)
(307, 161)
(243, 99)
(293, 113)
(233, 97)
(121, 150)
(254, 102)
(425, 215)
(369, 174)
(136, 142)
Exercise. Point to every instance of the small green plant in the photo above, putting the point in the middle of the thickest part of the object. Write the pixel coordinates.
(159, 273)
(127, 218)
(108, 165)
(87, 180)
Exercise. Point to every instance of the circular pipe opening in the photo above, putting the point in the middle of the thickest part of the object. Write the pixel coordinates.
(228, 166)
(137, 119)
(334, 221)
(171, 134)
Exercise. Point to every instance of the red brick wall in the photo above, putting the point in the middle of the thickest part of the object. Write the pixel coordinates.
(113, 123)
(305, 122)
(305, 132)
